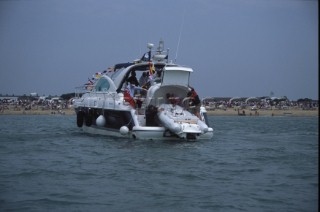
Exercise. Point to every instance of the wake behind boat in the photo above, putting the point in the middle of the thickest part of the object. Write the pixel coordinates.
(160, 105)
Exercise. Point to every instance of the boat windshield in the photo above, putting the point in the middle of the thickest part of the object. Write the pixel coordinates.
(142, 74)
(102, 85)
(118, 76)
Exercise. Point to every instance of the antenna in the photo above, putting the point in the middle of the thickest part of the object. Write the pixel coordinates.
(175, 59)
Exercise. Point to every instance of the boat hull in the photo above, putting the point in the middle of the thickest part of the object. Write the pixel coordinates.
(144, 133)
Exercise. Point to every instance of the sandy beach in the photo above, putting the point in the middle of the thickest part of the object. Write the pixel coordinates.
(217, 112)
(38, 112)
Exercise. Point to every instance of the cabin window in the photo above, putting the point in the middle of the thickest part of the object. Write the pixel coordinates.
(103, 85)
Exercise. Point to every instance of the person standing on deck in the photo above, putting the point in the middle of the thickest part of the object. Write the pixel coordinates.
(194, 102)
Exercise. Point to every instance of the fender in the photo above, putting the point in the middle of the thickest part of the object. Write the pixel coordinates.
(88, 120)
(80, 118)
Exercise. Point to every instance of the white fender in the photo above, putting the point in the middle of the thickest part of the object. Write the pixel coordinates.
(101, 121)
(124, 130)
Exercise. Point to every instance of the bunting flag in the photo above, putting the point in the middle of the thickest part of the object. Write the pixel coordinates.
(110, 69)
(97, 75)
(89, 82)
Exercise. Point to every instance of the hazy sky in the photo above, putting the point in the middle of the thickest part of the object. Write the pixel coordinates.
(236, 47)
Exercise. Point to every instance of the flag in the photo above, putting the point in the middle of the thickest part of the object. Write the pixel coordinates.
(151, 69)
(146, 56)
(98, 75)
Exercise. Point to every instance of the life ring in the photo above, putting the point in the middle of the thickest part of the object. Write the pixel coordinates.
(80, 117)
(88, 120)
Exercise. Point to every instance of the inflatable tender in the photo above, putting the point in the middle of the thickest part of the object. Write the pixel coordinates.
(180, 122)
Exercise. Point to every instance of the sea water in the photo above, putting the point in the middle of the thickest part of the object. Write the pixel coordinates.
(251, 164)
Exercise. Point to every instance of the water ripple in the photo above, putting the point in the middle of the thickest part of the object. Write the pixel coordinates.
(251, 164)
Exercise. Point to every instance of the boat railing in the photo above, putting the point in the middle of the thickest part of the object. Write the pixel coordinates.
(80, 90)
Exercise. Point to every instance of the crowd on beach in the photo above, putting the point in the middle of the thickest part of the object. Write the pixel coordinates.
(58, 104)
(55, 104)
(259, 104)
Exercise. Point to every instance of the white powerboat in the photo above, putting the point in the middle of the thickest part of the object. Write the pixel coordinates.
(154, 109)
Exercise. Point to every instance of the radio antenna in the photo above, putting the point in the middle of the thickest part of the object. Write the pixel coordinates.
(175, 59)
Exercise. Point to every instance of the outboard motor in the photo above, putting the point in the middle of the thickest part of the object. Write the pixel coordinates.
(151, 116)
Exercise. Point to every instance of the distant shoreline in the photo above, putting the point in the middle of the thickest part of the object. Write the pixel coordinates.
(275, 112)
(217, 112)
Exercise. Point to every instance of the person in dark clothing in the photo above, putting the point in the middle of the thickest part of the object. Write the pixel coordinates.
(132, 83)
(194, 102)
(133, 79)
